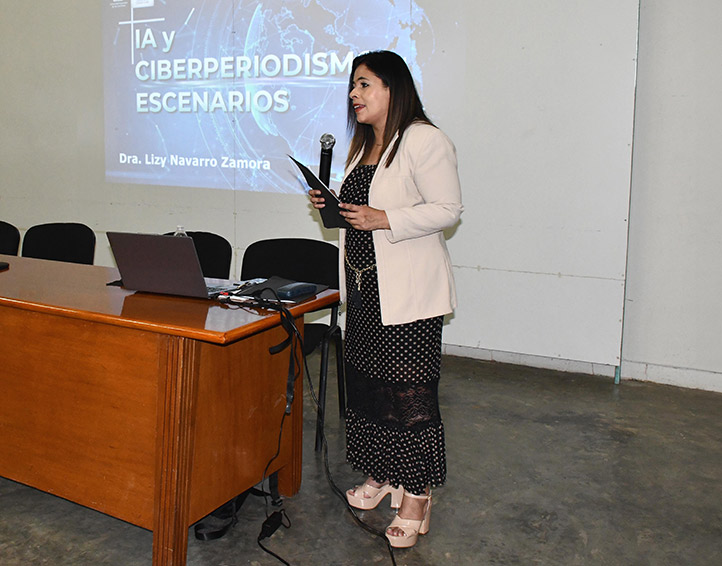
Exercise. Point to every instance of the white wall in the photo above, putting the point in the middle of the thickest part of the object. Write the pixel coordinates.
(673, 322)
(51, 158)
(543, 126)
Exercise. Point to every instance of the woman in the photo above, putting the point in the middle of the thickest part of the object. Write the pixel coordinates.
(400, 191)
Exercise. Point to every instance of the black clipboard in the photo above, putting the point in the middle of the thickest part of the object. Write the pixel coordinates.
(330, 215)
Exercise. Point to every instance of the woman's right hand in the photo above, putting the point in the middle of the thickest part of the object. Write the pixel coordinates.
(316, 199)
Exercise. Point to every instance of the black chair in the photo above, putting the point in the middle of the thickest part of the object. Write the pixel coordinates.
(60, 241)
(9, 239)
(214, 253)
(311, 261)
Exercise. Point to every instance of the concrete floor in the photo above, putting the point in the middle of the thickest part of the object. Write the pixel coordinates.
(544, 468)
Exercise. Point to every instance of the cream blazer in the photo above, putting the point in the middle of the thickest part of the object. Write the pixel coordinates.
(421, 195)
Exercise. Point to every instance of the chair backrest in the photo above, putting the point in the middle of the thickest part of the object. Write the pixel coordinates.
(60, 241)
(215, 253)
(299, 259)
(9, 239)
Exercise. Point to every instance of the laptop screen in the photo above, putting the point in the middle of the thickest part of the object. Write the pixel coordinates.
(158, 264)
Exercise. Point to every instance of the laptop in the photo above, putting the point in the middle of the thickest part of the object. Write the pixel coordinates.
(169, 265)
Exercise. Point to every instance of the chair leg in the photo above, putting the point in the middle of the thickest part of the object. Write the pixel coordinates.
(322, 383)
(341, 375)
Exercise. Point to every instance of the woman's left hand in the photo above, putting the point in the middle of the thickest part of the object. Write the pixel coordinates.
(364, 217)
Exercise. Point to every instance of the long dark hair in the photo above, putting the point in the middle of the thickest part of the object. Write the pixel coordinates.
(404, 103)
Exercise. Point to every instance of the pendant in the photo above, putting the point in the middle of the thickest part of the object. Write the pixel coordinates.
(356, 298)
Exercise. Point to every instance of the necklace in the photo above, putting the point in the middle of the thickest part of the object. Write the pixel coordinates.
(358, 272)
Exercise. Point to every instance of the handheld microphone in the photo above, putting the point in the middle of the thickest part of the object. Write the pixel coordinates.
(324, 166)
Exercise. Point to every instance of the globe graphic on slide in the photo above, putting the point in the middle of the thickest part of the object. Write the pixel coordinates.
(317, 104)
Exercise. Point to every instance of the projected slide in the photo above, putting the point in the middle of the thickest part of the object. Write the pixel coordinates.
(216, 93)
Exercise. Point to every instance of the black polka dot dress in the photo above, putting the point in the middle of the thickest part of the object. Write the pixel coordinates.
(394, 430)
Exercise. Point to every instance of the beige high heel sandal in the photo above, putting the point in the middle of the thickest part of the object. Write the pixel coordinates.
(411, 528)
(367, 496)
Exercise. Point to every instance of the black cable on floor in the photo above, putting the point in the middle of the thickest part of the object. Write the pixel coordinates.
(279, 517)
(336, 490)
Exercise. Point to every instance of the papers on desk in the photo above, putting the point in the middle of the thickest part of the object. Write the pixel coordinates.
(330, 215)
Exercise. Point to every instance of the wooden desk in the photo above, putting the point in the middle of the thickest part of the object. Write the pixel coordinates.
(152, 409)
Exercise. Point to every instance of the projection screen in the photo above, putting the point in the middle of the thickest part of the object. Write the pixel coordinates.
(216, 93)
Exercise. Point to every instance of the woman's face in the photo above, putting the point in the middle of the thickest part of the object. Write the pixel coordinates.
(370, 97)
